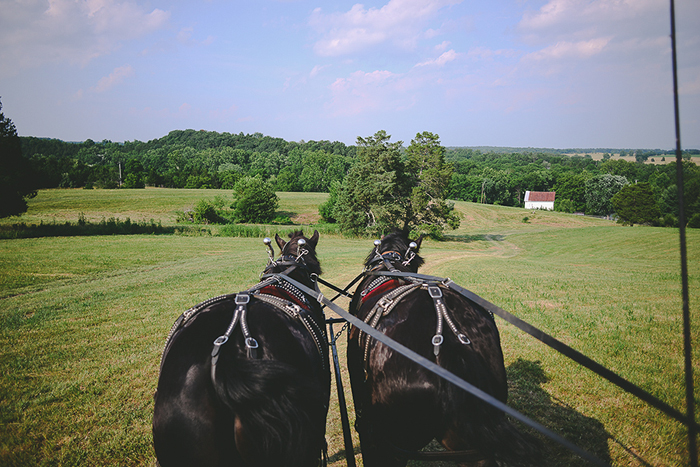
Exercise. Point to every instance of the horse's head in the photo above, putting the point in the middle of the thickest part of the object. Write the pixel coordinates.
(300, 249)
(398, 249)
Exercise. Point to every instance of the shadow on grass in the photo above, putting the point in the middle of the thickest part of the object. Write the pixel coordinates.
(475, 238)
(342, 455)
(527, 396)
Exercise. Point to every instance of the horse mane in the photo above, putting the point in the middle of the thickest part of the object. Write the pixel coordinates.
(397, 241)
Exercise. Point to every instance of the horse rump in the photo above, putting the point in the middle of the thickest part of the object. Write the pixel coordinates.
(279, 413)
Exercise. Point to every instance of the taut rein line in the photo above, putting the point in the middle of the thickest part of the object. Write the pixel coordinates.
(550, 341)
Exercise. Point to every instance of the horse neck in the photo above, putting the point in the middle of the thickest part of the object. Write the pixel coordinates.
(303, 276)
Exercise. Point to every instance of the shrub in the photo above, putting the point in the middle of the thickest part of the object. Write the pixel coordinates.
(669, 220)
(564, 205)
(254, 200)
(694, 222)
(205, 213)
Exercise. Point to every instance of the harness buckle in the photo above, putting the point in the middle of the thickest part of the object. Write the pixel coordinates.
(434, 291)
(437, 342)
(242, 299)
(464, 339)
(252, 347)
(221, 340)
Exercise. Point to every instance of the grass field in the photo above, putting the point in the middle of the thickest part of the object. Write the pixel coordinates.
(83, 321)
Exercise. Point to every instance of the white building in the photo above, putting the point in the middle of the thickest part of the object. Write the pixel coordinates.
(539, 200)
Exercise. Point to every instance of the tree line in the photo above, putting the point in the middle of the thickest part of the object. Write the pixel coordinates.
(581, 183)
(406, 190)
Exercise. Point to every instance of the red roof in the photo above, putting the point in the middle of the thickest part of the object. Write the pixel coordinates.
(540, 196)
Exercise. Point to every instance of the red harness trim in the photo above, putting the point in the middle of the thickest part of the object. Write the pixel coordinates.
(283, 294)
(390, 284)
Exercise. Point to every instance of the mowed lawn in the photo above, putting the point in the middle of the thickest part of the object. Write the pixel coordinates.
(83, 321)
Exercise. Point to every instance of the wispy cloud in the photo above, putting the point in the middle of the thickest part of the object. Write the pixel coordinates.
(33, 33)
(316, 70)
(399, 22)
(564, 50)
(116, 77)
(441, 60)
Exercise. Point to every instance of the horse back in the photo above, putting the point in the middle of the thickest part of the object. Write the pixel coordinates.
(396, 388)
(268, 410)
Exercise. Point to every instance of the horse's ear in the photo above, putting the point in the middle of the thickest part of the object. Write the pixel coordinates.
(418, 241)
(314, 239)
(280, 243)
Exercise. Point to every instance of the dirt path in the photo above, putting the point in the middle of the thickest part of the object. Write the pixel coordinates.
(497, 248)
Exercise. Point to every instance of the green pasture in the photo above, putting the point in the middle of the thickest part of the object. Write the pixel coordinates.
(83, 321)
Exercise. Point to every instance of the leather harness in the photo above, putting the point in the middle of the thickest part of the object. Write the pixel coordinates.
(394, 290)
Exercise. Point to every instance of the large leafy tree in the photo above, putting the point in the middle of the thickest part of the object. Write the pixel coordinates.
(636, 204)
(599, 192)
(571, 186)
(429, 175)
(375, 194)
(17, 182)
(384, 192)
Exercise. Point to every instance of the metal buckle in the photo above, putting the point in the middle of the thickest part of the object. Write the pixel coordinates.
(434, 291)
(221, 340)
(242, 299)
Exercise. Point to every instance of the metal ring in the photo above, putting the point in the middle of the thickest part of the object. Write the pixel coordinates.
(437, 339)
(221, 340)
(251, 343)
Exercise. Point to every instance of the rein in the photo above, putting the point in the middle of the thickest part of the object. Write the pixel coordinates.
(552, 342)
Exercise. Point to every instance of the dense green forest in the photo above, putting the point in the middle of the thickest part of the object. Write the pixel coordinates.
(205, 159)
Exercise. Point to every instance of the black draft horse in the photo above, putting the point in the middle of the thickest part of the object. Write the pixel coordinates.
(399, 405)
(258, 396)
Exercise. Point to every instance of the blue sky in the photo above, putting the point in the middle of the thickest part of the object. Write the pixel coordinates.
(557, 73)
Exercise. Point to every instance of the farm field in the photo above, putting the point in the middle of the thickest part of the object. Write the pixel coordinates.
(83, 321)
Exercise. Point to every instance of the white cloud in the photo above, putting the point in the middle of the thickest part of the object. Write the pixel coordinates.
(574, 17)
(399, 22)
(564, 50)
(316, 70)
(599, 34)
(442, 46)
(34, 32)
(441, 60)
(116, 77)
